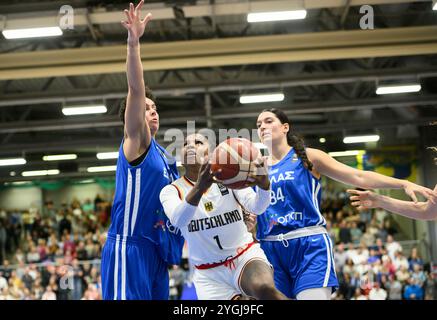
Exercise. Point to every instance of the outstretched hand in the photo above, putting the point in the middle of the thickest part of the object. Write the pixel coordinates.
(363, 200)
(411, 189)
(133, 24)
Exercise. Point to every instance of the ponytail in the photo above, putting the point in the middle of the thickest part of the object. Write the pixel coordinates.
(299, 147)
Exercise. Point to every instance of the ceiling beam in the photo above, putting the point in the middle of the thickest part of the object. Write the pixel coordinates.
(224, 52)
(161, 12)
(299, 111)
(322, 78)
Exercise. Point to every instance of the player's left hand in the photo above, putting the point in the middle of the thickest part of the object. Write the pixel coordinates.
(134, 24)
(259, 177)
(363, 200)
(250, 221)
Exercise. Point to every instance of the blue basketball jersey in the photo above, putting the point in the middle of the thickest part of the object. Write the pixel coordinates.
(137, 210)
(295, 198)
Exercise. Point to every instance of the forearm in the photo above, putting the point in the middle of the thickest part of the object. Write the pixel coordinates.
(373, 180)
(182, 214)
(193, 197)
(256, 202)
(134, 68)
(409, 209)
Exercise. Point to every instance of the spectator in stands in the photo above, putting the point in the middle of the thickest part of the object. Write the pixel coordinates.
(69, 245)
(340, 256)
(419, 275)
(377, 293)
(394, 288)
(3, 238)
(358, 295)
(413, 291)
(368, 238)
(344, 232)
(402, 274)
(48, 294)
(400, 261)
(3, 282)
(33, 255)
(64, 224)
(349, 266)
(392, 246)
(388, 265)
(87, 206)
(356, 233)
(81, 252)
(414, 259)
(6, 269)
(346, 289)
(178, 275)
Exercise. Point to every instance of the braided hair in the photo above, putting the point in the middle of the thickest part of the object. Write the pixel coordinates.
(293, 140)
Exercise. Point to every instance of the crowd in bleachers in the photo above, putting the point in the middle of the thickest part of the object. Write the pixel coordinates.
(370, 264)
(55, 253)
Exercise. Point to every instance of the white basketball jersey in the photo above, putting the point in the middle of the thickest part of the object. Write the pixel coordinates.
(217, 230)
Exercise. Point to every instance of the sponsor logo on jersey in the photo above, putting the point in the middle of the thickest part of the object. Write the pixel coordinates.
(223, 190)
(165, 173)
(290, 217)
(160, 224)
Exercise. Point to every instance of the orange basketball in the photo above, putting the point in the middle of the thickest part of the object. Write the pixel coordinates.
(234, 157)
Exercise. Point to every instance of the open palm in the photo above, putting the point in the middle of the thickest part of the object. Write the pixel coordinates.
(134, 24)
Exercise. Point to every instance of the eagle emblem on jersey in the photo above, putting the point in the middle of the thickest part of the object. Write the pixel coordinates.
(208, 206)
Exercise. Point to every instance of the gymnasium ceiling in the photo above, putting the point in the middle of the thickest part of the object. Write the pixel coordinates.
(199, 56)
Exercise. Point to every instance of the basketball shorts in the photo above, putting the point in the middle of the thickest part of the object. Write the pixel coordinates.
(132, 269)
(302, 263)
(223, 282)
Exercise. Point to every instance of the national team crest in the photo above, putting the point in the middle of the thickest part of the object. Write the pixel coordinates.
(208, 206)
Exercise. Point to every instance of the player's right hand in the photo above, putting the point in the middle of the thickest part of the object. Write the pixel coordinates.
(205, 178)
(133, 24)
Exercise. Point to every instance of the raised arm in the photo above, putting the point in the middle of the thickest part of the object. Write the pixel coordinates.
(326, 165)
(364, 200)
(136, 129)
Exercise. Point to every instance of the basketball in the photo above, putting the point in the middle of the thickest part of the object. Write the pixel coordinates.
(235, 158)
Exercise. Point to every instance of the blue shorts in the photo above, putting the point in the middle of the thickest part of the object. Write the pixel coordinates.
(302, 263)
(133, 270)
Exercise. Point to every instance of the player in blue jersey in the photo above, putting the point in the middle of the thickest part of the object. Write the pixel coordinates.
(292, 230)
(141, 241)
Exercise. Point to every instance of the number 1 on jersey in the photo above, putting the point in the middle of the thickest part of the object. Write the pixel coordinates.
(218, 242)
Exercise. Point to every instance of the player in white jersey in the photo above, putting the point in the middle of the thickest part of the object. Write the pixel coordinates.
(227, 262)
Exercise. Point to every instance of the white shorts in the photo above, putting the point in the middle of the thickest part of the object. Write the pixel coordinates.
(223, 283)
